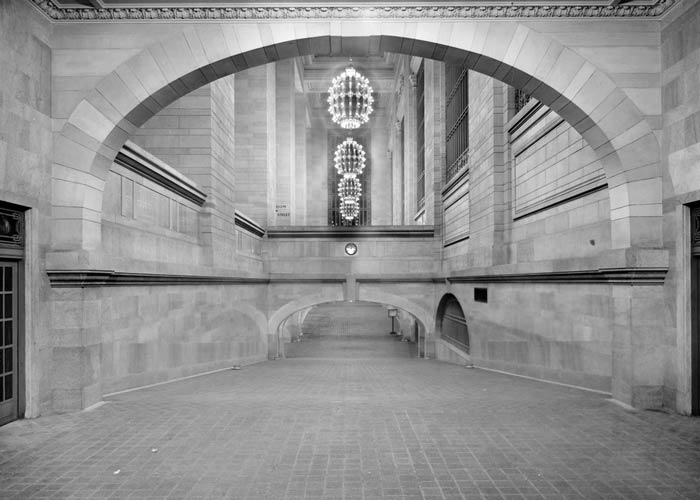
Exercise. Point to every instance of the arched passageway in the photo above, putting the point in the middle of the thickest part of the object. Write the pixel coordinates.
(344, 329)
(514, 53)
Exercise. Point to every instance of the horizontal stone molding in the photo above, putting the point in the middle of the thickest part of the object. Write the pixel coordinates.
(619, 276)
(456, 238)
(82, 278)
(454, 184)
(143, 163)
(249, 225)
(590, 186)
(304, 10)
(352, 232)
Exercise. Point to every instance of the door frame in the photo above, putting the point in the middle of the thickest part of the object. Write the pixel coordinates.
(692, 344)
(15, 253)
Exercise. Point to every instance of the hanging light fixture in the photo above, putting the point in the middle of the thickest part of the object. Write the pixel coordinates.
(349, 158)
(349, 161)
(349, 187)
(350, 99)
(349, 209)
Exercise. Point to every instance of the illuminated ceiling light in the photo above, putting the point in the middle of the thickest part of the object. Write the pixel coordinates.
(349, 162)
(349, 208)
(349, 187)
(350, 99)
(349, 158)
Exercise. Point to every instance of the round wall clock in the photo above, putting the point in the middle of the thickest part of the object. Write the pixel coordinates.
(351, 249)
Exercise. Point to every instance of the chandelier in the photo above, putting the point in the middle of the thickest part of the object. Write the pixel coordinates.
(350, 99)
(349, 162)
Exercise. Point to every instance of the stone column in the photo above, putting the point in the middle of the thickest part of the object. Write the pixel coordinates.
(398, 174)
(410, 124)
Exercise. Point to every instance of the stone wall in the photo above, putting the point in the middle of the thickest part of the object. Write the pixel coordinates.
(556, 332)
(251, 137)
(195, 135)
(537, 204)
(26, 152)
(347, 319)
(680, 60)
(141, 335)
(148, 228)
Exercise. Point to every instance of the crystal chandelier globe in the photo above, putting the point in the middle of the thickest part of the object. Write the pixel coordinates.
(349, 161)
(349, 158)
(349, 209)
(349, 187)
(350, 99)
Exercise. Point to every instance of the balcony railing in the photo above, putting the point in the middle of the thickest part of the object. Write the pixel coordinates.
(457, 166)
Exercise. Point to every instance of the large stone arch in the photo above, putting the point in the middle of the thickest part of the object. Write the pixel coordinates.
(507, 50)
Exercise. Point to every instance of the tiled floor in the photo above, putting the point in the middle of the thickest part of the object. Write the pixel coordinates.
(360, 426)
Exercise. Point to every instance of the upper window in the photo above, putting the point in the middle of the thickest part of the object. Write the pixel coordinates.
(520, 99)
(420, 140)
(456, 119)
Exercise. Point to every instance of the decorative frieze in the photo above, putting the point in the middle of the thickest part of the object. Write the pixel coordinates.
(695, 221)
(472, 10)
(11, 227)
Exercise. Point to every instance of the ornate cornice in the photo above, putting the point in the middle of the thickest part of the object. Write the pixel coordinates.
(473, 11)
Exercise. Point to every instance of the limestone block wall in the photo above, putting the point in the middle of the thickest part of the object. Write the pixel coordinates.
(223, 178)
(251, 138)
(434, 140)
(181, 135)
(195, 135)
(680, 143)
(319, 254)
(538, 203)
(381, 182)
(556, 332)
(455, 203)
(484, 183)
(285, 142)
(26, 152)
(147, 334)
(317, 175)
(301, 178)
(560, 204)
(148, 228)
(347, 319)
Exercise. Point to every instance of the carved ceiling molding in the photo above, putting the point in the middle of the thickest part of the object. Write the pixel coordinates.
(57, 13)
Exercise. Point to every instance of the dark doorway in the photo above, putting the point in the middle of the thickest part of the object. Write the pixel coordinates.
(8, 342)
(695, 301)
(11, 253)
(452, 324)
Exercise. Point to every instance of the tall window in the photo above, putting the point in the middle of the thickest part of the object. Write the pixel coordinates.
(456, 119)
(420, 140)
(334, 216)
(520, 99)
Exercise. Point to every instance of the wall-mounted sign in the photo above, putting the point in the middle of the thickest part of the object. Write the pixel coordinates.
(282, 210)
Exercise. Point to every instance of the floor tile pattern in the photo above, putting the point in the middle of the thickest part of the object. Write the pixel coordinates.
(347, 425)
